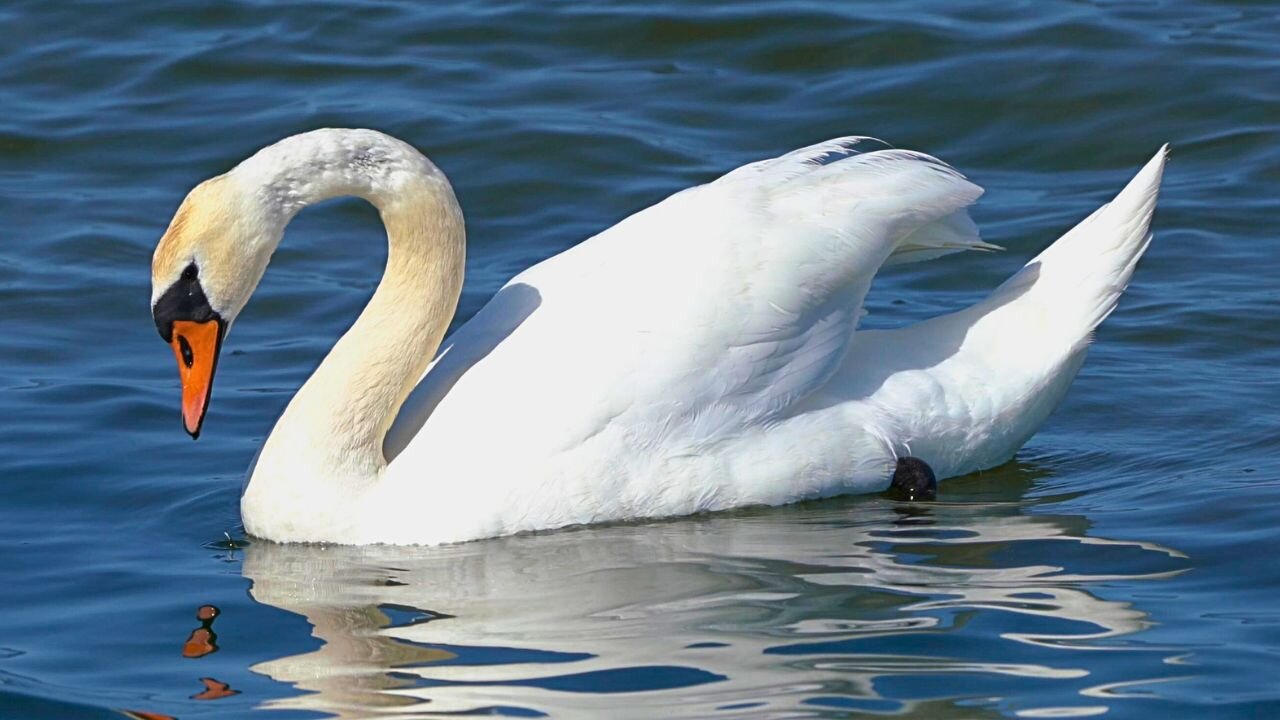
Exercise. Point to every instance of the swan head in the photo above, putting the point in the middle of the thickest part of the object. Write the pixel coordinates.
(205, 267)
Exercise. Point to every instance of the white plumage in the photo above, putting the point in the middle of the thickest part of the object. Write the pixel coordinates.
(702, 355)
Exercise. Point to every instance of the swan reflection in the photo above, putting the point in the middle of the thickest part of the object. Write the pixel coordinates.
(784, 610)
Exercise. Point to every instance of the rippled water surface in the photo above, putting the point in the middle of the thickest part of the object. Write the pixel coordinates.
(1123, 565)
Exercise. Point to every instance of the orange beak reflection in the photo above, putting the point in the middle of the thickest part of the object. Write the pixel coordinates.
(196, 346)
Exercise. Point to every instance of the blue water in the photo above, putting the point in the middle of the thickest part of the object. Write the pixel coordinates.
(1122, 565)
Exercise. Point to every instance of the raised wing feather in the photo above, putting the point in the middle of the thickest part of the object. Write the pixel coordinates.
(719, 307)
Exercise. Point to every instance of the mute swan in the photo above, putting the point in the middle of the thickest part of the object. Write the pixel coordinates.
(697, 356)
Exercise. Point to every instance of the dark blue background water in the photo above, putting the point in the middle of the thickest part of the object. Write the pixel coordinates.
(1123, 564)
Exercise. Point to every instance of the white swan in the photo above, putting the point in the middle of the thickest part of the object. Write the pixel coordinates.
(699, 355)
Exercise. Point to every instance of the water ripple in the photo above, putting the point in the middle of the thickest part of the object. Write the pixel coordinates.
(1119, 566)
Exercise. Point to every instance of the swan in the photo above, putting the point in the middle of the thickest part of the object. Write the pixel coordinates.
(699, 355)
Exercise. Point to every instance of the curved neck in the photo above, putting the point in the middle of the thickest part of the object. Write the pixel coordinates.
(334, 427)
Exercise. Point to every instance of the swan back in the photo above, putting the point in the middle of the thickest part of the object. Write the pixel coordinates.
(617, 372)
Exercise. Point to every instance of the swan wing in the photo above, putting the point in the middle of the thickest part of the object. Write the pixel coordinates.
(715, 310)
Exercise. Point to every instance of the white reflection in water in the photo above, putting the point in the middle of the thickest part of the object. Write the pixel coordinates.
(749, 614)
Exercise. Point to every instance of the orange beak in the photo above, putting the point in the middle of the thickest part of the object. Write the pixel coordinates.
(196, 346)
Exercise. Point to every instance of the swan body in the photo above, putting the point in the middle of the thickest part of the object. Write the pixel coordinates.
(700, 355)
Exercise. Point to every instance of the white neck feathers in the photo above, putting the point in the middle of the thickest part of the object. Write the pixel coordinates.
(316, 166)
(329, 440)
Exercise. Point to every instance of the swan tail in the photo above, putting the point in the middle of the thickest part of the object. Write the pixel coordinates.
(1075, 283)
(964, 391)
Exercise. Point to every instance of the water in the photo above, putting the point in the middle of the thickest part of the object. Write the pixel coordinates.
(1121, 565)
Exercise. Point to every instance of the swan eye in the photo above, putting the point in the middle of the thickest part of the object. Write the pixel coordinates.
(190, 272)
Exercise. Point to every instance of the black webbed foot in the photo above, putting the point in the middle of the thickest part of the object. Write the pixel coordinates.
(913, 479)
